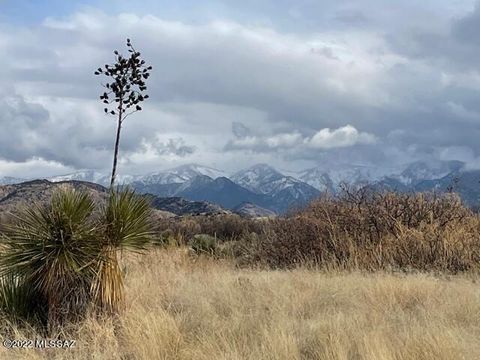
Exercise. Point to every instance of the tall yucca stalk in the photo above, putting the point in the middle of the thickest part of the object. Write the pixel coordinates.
(125, 225)
(54, 250)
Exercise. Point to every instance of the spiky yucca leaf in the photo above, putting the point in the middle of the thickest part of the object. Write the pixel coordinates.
(54, 248)
(126, 220)
(125, 224)
(20, 302)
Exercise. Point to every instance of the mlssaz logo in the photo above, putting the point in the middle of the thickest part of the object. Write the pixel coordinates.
(39, 344)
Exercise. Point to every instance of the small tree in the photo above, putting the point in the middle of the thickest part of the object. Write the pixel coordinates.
(124, 91)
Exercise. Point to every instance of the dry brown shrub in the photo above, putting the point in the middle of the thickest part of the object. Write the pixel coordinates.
(224, 227)
(360, 229)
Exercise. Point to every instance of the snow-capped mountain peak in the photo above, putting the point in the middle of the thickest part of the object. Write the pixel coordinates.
(330, 178)
(83, 175)
(265, 180)
(316, 177)
(257, 177)
(267, 187)
(421, 170)
(94, 177)
(196, 169)
(181, 174)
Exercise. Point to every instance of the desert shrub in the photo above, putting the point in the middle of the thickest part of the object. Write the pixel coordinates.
(246, 250)
(203, 244)
(385, 210)
(228, 227)
(164, 238)
(369, 230)
(181, 229)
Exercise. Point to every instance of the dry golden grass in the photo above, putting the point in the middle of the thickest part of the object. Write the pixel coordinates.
(179, 307)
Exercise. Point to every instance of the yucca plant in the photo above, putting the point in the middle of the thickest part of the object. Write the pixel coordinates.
(54, 250)
(66, 256)
(20, 303)
(124, 224)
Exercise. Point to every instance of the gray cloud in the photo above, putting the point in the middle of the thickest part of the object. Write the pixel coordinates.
(452, 46)
(351, 17)
(21, 125)
(171, 147)
(324, 139)
(407, 92)
(468, 27)
(240, 130)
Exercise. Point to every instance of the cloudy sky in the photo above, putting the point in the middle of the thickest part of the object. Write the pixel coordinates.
(293, 83)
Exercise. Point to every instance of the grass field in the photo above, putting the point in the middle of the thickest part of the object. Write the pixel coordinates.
(181, 307)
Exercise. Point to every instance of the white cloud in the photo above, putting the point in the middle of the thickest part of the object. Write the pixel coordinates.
(323, 139)
(32, 168)
(342, 137)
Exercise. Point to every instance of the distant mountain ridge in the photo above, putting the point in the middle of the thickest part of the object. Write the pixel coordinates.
(180, 206)
(284, 191)
(24, 194)
(274, 190)
(178, 175)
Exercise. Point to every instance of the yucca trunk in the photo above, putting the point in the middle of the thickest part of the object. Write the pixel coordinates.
(55, 314)
(108, 286)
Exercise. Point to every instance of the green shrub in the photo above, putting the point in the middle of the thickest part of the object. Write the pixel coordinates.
(203, 244)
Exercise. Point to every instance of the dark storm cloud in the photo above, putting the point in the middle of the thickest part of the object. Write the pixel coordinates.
(454, 45)
(468, 27)
(20, 123)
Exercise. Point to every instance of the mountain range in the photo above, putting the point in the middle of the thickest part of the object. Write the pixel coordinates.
(268, 190)
(260, 185)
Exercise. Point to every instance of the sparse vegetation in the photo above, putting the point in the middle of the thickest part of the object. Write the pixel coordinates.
(215, 286)
(179, 307)
(375, 231)
(230, 263)
(357, 229)
(224, 227)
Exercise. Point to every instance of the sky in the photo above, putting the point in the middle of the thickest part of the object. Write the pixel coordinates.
(294, 84)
